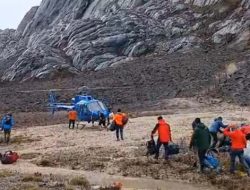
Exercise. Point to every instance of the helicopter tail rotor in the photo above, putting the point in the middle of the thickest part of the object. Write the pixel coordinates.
(52, 102)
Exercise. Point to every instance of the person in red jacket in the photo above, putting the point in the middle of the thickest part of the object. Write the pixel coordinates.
(164, 136)
(239, 142)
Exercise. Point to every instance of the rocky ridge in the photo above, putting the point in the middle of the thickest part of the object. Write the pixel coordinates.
(73, 36)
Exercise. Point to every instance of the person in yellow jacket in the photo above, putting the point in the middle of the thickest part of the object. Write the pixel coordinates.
(120, 120)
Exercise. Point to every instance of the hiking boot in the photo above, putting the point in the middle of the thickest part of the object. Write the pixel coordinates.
(117, 139)
(232, 172)
(201, 170)
(195, 165)
(248, 173)
(166, 161)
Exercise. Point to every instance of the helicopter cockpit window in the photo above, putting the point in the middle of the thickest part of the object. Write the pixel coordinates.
(102, 105)
(94, 107)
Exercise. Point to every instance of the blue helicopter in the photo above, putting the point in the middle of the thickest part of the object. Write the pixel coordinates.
(88, 108)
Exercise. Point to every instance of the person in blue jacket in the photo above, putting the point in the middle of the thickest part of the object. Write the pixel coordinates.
(215, 128)
(7, 124)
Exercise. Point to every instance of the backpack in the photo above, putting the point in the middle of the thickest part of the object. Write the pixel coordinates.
(124, 119)
(9, 157)
(151, 147)
(7, 122)
(173, 148)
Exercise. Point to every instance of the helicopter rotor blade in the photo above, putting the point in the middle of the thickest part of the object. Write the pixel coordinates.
(79, 89)
(47, 90)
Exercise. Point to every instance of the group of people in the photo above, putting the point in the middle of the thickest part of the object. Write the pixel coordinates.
(205, 138)
(119, 121)
(72, 117)
(202, 140)
(6, 125)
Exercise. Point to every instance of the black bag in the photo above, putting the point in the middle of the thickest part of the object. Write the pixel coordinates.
(112, 126)
(173, 148)
(225, 149)
(226, 142)
(151, 147)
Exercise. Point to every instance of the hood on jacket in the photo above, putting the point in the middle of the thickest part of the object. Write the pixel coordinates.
(201, 126)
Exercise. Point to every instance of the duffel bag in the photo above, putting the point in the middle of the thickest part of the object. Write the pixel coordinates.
(112, 126)
(173, 148)
(211, 162)
(151, 147)
(9, 157)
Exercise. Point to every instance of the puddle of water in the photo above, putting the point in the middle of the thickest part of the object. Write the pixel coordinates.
(151, 184)
(98, 178)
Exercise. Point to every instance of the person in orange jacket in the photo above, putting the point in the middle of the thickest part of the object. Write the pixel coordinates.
(239, 142)
(119, 123)
(72, 115)
(164, 136)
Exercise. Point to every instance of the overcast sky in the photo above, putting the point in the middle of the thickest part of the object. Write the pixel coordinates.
(13, 11)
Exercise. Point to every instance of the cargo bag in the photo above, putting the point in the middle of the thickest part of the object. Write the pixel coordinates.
(9, 157)
(151, 147)
(173, 148)
(112, 126)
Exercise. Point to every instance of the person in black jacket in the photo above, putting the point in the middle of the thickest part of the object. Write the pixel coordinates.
(201, 139)
(102, 120)
(195, 123)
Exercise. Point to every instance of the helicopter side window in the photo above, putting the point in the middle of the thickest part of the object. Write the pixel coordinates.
(103, 107)
(94, 107)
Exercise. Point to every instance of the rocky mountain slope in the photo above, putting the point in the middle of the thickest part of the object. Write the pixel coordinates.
(73, 36)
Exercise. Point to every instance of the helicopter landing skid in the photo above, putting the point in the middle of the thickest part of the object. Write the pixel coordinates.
(80, 123)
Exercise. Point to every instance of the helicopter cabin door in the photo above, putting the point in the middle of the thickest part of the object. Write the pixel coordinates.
(84, 114)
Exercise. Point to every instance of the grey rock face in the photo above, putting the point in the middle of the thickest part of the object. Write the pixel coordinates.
(26, 20)
(77, 35)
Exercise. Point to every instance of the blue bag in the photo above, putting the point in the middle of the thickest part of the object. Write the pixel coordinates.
(247, 159)
(211, 162)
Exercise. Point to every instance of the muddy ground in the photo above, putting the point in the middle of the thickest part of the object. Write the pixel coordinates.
(59, 154)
